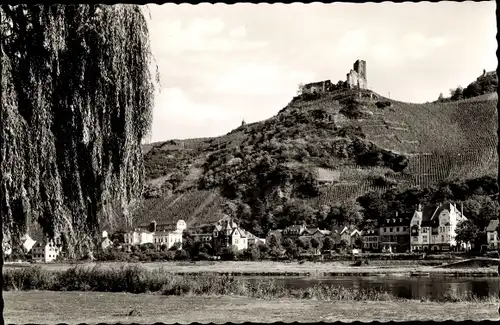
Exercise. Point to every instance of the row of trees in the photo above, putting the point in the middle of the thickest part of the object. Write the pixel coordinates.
(483, 85)
(275, 247)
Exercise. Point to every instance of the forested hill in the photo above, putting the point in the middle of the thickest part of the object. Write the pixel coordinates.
(319, 152)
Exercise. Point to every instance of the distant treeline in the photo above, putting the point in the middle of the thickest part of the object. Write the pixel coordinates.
(485, 84)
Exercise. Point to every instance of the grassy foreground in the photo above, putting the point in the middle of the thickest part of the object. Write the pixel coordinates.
(91, 307)
(291, 268)
(134, 279)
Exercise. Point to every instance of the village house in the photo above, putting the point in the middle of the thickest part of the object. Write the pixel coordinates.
(371, 240)
(45, 250)
(433, 228)
(157, 233)
(395, 234)
(169, 235)
(492, 234)
(252, 239)
(227, 233)
(27, 242)
(203, 237)
(320, 233)
(297, 231)
(138, 237)
(350, 236)
(335, 233)
(294, 231)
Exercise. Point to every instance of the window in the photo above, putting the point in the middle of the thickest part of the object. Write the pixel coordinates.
(442, 238)
(390, 229)
(424, 238)
(397, 229)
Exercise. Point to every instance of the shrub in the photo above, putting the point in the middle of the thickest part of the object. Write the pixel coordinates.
(181, 255)
(383, 104)
(227, 254)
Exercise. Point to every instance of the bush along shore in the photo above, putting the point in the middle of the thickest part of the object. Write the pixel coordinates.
(134, 279)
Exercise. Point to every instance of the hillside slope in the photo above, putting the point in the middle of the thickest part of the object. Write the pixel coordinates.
(319, 150)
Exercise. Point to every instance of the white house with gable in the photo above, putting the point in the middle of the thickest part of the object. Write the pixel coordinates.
(168, 236)
(158, 233)
(433, 228)
(227, 233)
(45, 250)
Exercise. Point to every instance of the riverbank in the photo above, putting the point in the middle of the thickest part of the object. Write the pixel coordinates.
(92, 307)
(270, 268)
(135, 279)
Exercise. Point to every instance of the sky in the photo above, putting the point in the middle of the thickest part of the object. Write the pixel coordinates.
(221, 64)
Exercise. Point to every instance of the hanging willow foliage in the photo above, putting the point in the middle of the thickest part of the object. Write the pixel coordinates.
(77, 97)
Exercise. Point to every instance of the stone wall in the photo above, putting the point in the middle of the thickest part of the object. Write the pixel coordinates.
(317, 87)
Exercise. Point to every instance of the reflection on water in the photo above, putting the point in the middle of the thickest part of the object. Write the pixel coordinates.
(404, 287)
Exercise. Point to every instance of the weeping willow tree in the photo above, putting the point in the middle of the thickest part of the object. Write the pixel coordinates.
(77, 97)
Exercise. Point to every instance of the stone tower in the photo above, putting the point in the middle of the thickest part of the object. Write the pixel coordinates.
(360, 68)
(356, 78)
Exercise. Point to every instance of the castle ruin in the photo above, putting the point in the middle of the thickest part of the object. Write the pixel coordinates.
(356, 78)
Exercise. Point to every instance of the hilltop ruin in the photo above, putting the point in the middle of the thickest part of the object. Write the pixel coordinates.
(355, 79)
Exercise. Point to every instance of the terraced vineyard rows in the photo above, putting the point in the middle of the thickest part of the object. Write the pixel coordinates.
(186, 206)
(212, 195)
(339, 192)
(192, 207)
(429, 169)
(211, 211)
(152, 209)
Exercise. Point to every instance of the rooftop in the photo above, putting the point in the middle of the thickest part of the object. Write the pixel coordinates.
(493, 225)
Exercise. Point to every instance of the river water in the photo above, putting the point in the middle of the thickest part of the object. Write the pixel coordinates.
(404, 287)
